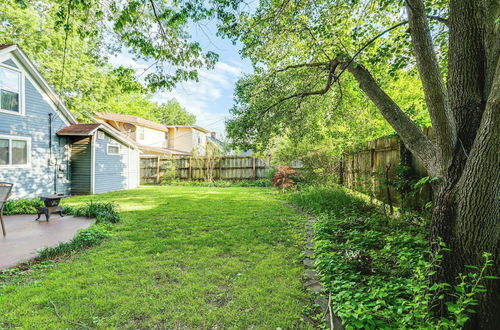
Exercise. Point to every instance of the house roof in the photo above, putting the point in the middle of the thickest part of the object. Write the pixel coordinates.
(199, 128)
(144, 122)
(30, 68)
(132, 120)
(215, 140)
(157, 150)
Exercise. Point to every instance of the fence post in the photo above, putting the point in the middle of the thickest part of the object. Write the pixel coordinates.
(189, 169)
(341, 171)
(254, 161)
(158, 169)
(220, 168)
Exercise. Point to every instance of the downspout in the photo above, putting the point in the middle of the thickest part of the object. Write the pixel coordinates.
(49, 163)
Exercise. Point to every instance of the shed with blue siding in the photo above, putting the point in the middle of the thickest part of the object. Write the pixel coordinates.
(102, 160)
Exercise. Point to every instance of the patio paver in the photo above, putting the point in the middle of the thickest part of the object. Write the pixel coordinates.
(25, 236)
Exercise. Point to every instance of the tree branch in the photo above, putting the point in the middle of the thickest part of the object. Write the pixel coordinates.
(436, 98)
(438, 18)
(369, 43)
(331, 79)
(162, 30)
(413, 138)
(303, 65)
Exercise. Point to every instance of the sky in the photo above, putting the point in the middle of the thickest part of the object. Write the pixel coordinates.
(212, 96)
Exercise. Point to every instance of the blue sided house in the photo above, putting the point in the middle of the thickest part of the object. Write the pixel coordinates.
(44, 150)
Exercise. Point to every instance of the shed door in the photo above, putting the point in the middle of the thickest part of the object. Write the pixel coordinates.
(81, 166)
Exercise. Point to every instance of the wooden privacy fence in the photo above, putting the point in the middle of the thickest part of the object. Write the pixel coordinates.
(230, 168)
(374, 170)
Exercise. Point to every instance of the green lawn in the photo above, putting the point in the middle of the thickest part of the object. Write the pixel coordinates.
(183, 257)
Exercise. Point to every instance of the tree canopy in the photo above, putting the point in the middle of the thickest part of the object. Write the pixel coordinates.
(293, 90)
(72, 43)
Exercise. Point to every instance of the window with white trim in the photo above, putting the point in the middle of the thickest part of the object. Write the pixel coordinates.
(113, 149)
(100, 135)
(14, 151)
(10, 90)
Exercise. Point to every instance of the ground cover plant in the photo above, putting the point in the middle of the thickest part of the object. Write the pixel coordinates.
(181, 257)
(377, 268)
(22, 206)
(102, 211)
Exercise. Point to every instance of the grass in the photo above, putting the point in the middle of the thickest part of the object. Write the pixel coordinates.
(182, 257)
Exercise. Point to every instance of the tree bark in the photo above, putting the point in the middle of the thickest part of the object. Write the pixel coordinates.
(436, 97)
(466, 215)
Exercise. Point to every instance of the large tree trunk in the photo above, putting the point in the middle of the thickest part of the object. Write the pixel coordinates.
(467, 211)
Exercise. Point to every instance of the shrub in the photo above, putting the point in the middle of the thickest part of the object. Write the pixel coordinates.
(284, 177)
(84, 238)
(101, 211)
(22, 206)
(168, 169)
(377, 268)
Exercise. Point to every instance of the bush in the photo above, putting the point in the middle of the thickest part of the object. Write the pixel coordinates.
(377, 268)
(84, 238)
(22, 206)
(101, 211)
(284, 177)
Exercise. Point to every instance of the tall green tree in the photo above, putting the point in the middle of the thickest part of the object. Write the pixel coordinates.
(172, 113)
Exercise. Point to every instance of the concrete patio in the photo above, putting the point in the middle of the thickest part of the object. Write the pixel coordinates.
(25, 236)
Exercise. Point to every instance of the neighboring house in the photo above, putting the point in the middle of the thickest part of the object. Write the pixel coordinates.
(43, 149)
(214, 144)
(157, 139)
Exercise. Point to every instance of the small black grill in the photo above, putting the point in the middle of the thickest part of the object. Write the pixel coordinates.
(51, 203)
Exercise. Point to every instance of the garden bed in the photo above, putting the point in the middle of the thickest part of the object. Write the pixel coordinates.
(376, 267)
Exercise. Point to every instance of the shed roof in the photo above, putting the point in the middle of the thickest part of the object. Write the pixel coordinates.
(79, 129)
(89, 129)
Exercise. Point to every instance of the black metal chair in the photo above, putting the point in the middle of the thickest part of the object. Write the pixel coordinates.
(5, 189)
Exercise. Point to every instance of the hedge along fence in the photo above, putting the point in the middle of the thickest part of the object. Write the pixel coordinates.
(228, 168)
(387, 171)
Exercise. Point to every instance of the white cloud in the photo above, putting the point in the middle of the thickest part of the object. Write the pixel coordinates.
(126, 60)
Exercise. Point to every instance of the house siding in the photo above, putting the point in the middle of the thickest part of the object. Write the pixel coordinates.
(113, 172)
(39, 178)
